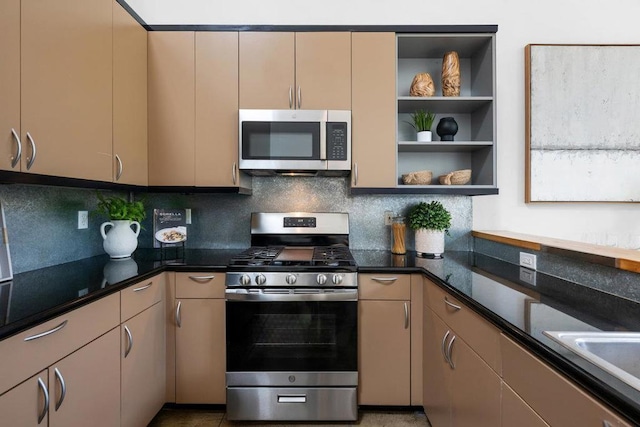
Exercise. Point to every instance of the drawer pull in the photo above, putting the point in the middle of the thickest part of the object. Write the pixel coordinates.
(444, 340)
(45, 406)
(384, 280)
(449, 352)
(120, 169)
(142, 288)
(31, 159)
(16, 159)
(178, 317)
(606, 423)
(63, 387)
(406, 316)
(202, 279)
(450, 304)
(49, 332)
(129, 341)
(292, 398)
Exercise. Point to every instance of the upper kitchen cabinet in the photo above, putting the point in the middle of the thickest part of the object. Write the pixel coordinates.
(474, 110)
(10, 147)
(304, 70)
(373, 124)
(66, 88)
(171, 108)
(129, 99)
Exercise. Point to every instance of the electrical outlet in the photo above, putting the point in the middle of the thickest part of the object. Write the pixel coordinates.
(528, 260)
(528, 276)
(388, 217)
(83, 220)
(187, 215)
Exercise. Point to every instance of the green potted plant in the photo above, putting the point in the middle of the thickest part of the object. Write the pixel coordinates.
(121, 239)
(422, 121)
(430, 221)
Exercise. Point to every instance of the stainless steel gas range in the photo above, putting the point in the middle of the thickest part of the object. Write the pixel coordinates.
(291, 316)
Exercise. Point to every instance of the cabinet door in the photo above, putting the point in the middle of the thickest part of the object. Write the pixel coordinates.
(143, 366)
(373, 109)
(516, 412)
(86, 385)
(9, 83)
(216, 138)
(201, 352)
(66, 87)
(129, 99)
(323, 71)
(267, 70)
(171, 109)
(24, 404)
(436, 380)
(475, 389)
(384, 353)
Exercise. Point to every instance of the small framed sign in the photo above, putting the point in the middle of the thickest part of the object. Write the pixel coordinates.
(169, 227)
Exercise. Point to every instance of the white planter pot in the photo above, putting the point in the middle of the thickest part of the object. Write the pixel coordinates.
(430, 242)
(424, 136)
(120, 241)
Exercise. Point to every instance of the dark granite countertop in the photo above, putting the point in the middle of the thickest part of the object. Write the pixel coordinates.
(490, 286)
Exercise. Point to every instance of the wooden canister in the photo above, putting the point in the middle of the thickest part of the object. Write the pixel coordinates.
(451, 74)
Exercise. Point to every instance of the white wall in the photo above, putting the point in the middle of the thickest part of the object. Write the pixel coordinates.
(519, 23)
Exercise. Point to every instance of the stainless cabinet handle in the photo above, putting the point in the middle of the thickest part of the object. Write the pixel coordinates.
(299, 97)
(119, 173)
(406, 316)
(202, 279)
(290, 97)
(178, 317)
(444, 340)
(49, 332)
(15, 160)
(606, 423)
(142, 288)
(450, 304)
(45, 393)
(449, 351)
(234, 169)
(31, 159)
(63, 387)
(384, 280)
(355, 174)
(129, 341)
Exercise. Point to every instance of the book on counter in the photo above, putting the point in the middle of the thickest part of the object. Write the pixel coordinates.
(169, 227)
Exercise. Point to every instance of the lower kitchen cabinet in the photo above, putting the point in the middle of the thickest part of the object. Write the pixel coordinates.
(516, 412)
(143, 366)
(83, 386)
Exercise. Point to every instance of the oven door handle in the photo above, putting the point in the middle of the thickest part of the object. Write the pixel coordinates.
(244, 295)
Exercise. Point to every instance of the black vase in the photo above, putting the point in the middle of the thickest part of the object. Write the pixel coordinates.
(447, 127)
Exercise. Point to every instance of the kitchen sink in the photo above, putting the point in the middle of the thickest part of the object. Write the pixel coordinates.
(616, 352)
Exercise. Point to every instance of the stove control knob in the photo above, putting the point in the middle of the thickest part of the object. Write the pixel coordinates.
(260, 279)
(291, 279)
(336, 279)
(321, 279)
(245, 280)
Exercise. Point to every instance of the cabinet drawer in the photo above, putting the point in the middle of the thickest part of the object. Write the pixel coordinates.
(200, 285)
(384, 286)
(137, 298)
(554, 398)
(483, 337)
(22, 357)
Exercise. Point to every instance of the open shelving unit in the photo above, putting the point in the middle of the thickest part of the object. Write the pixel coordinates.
(474, 146)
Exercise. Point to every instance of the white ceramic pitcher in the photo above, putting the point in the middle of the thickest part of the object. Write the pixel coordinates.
(121, 240)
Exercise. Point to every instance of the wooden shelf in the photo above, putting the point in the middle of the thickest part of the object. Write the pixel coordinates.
(441, 146)
(448, 104)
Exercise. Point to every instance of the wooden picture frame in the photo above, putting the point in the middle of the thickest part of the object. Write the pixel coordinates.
(582, 123)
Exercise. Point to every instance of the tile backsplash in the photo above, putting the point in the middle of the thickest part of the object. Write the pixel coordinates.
(42, 221)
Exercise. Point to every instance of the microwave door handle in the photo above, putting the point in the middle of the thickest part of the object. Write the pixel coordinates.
(323, 141)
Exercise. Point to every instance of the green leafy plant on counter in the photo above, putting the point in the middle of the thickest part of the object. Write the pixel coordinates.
(119, 208)
(429, 216)
(422, 120)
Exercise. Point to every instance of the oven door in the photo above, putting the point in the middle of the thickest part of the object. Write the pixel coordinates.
(291, 338)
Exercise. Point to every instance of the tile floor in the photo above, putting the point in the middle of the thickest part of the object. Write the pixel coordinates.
(203, 417)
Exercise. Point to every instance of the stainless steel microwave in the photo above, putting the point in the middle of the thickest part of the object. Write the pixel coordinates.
(296, 142)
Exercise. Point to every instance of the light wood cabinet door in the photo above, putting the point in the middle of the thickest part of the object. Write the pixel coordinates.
(201, 351)
(267, 70)
(9, 84)
(216, 126)
(66, 88)
(23, 405)
(129, 99)
(436, 380)
(143, 366)
(171, 108)
(86, 385)
(373, 124)
(516, 412)
(384, 353)
(323, 70)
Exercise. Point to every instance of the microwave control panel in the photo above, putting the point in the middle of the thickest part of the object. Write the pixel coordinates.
(337, 141)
